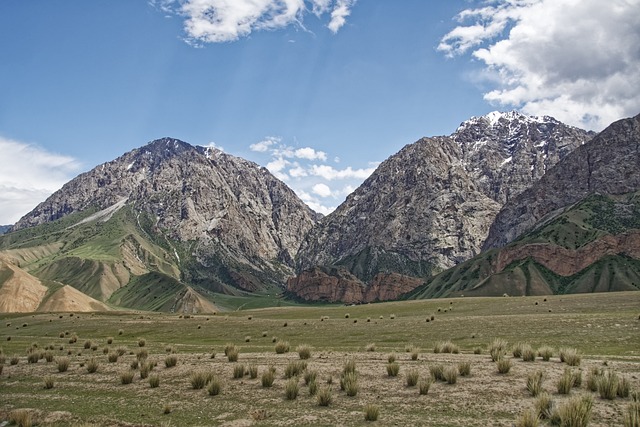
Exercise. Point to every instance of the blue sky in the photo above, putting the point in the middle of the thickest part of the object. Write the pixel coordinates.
(319, 91)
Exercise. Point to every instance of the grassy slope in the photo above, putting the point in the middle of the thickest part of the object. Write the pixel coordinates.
(577, 226)
(601, 326)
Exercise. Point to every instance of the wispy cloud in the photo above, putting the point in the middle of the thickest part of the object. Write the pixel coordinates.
(215, 21)
(576, 60)
(321, 186)
(28, 175)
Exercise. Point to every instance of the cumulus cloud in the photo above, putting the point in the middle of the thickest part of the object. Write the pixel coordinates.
(331, 173)
(28, 175)
(264, 145)
(215, 21)
(322, 190)
(310, 154)
(576, 60)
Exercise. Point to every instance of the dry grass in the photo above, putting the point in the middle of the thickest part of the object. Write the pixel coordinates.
(126, 377)
(324, 396)
(504, 365)
(529, 418)
(411, 377)
(93, 365)
(292, 389)
(534, 383)
(425, 384)
(20, 418)
(371, 412)
(304, 351)
(392, 369)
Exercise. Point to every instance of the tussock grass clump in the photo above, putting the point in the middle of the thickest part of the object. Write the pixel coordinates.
(292, 389)
(528, 353)
(48, 382)
(324, 396)
(576, 412)
(253, 371)
(229, 347)
(371, 412)
(21, 418)
(62, 364)
(534, 383)
(504, 365)
(570, 356)
(121, 350)
(145, 368)
(14, 360)
(294, 368)
(154, 380)
(349, 366)
(120, 331)
(411, 377)
(608, 385)
(623, 387)
(464, 369)
(247, 339)
(282, 347)
(543, 405)
(437, 348)
(126, 377)
(565, 382)
(238, 371)
(134, 364)
(392, 369)
(304, 351)
(310, 376)
(142, 342)
(170, 361)
(477, 350)
(437, 372)
(424, 385)
(92, 365)
(370, 347)
(112, 357)
(232, 354)
(391, 358)
(450, 374)
(215, 386)
(577, 378)
(142, 354)
(48, 356)
(87, 344)
(166, 409)
(268, 377)
(592, 378)
(545, 352)
(516, 350)
(33, 357)
(110, 340)
(632, 415)
(497, 349)
(349, 383)
(529, 418)
(198, 379)
(313, 387)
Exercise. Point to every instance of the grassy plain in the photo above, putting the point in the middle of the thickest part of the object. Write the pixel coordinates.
(604, 328)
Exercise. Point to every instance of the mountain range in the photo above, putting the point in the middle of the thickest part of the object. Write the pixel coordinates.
(507, 204)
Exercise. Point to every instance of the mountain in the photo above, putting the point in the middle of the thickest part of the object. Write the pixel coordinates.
(163, 226)
(428, 207)
(589, 246)
(609, 164)
(5, 228)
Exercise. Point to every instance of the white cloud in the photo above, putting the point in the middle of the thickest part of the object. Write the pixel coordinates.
(215, 21)
(298, 172)
(321, 190)
(28, 175)
(329, 173)
(214, 145)
(576, 60)
(310, 154)
(264, 145)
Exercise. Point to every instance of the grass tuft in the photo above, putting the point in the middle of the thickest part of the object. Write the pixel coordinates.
(268, 377)
(253, 371)
(576, 412)
(450, 374)
(92, 365)
(497, 349)
(543, 405)
(292, 389)
(565, 382)
(324, 396)
(545, 352)
(304, 351)
(282, 347)
(504, 365)
(20, 418)
(238, 371)
(310, 376)
(437, 372)
(63, 364)
(534, 383)
(632, 415)
(349, 383)
(464, 369)
(529, 418)
(425, 384)
(215, 386)
(411, 377)
(170, 361)
(48, 382)
(371, 412)
(198, 379)
(392, 369)
(126, 377)
(608, 385)
(154, 380)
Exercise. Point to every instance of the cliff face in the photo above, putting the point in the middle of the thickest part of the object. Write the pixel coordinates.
(608, 164)
(229, 215)
(430, 206)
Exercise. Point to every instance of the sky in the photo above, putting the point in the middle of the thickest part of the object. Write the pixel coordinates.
(318, 91)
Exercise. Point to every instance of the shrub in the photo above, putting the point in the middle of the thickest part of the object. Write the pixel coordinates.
(424, 384)
(126, 377)
(370, 347)
(112, 357)
(437, 372)
(608, 385)
(232, 354)
(412, 377)
(576, 412)
(48, 382)
(238, 371)
(545, 352)
(392, 369)
(282, 347)
(529, 418)
(543, 405)
(324, 396)
(623, 387)
(267, 378)
(20, 417)
(142, 342)
(371, 412)
(565, 382)
(154, 380)
(464, 368)
(215, 386)
(450, 374)
(534, 383)
(63, 364)
(304, 351)
(92, 365)
(253, 371)
(391, 358)
(198, 379)
(310, 376)
(291, 389)
(349, 383)
(170, 361)
(632, 415)
(504, 365)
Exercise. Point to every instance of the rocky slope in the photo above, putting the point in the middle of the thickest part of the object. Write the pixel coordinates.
(193, 215)
(609, 164)
(430, 206)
